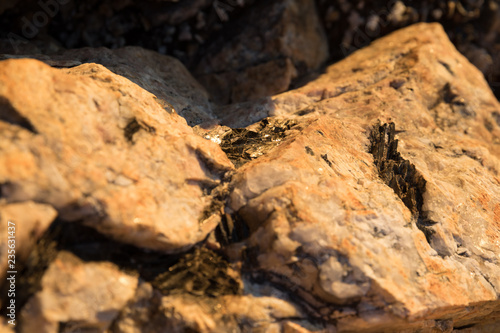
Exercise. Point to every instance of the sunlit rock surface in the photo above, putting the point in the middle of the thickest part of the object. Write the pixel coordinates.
(325, 221)
(163, 76)
(366, 200)
(101, 150)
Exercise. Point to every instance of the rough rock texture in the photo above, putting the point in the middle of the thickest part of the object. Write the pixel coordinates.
(283, 39)
(31, 220)
(77, 296)
(367, 201)
(325, 220)
(100, 149)
(163, 76)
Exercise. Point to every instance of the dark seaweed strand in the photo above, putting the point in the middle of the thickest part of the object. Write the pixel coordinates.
(399, 174)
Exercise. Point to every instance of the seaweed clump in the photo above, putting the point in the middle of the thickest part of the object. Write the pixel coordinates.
(398, 173)
(200, 273)
(245, 144)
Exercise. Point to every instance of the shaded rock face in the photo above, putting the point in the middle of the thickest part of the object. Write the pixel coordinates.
(365, 200)
(283, 40)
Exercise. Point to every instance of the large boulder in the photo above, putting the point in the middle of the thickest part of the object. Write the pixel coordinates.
(103, 151)
(378, 201)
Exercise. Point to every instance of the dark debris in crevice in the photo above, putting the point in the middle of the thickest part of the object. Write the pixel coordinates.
(133, 127)
(447, 67)
(232, 229)
(243, 145)
(395, 171)
(219, 196)
(399, 174)
(10, 115)
(199, 273)
(325, 158)
(91, 246)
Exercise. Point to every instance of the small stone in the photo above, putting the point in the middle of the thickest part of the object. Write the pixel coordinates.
(77, 296)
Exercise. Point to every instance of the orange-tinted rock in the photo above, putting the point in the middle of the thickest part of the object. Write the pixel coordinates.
(161, 75)
(322, 219)
(101, 150)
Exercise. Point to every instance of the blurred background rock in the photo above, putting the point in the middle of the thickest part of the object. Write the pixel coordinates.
(207, 35)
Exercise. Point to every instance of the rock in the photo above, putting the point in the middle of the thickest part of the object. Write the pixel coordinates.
(103, 151)
(381, 195)
(164, 76)
(181, 313)
(368, 200)
(283, 39)
(77, 296)
(30, 220)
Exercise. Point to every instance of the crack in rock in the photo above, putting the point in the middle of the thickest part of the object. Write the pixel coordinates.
(10, 115)
(400, 175)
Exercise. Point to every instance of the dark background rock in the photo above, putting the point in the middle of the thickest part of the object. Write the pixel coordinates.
(189, 29)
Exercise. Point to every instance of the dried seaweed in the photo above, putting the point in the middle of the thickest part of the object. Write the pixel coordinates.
(243, 144)
(200, 273)
(398, 173)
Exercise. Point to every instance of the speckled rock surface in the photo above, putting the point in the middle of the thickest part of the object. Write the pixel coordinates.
(101, 150)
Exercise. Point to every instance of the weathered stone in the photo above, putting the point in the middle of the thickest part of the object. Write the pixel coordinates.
(347, 229)
(77, 296)
(163, 76)
(369, 201)
(29, 220)
(102, 150)
(283, 39)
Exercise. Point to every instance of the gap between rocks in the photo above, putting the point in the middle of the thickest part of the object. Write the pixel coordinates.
(199, 271)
